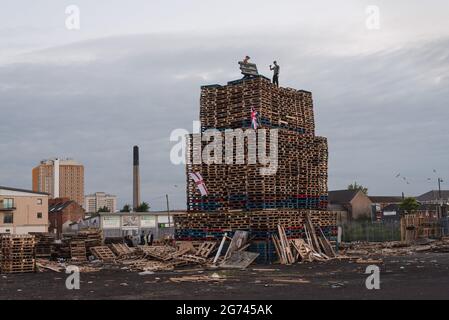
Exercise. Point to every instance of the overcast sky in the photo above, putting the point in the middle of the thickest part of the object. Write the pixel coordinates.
(132, 73)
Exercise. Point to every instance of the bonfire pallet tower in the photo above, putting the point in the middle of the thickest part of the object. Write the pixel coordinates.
(239, 197)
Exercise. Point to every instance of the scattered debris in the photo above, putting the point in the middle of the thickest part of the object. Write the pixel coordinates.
(300, 281)
(146, 273)
(369, 261)
(240, 260)
(202, 278)
(266, 270)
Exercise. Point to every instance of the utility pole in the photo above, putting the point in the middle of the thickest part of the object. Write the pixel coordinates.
(168, 211)
(440, 202)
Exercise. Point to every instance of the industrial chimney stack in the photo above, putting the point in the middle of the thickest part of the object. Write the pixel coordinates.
(136, 178)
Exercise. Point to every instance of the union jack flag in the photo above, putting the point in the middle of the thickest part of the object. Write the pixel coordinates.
(199, 181)
(254, 119)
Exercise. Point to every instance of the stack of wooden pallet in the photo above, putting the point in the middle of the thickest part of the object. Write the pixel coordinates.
(225, 107)
(17, 253)
(299, 182)
(420, 225)
(239, 196)
(78, 251)
(261, 224)
(44, 244)
(91, 237)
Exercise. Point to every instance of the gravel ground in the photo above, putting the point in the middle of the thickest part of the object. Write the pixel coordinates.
(418, 276)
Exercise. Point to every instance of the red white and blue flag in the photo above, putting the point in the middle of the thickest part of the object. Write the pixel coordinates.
(254, 119)
(199, 181)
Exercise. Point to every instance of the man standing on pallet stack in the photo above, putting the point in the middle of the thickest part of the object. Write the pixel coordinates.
(276, 70)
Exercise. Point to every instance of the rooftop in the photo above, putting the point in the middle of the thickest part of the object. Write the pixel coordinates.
(58, 207)
(342, 196)
(433, 195)
(385, 199)
(22, 190)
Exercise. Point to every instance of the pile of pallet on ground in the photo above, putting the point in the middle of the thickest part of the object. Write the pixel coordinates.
(62, 249)
(44, 244)
(315, 246)
(91, 237)
(183, 253)
(78, 251)
(17, 253)
(368, 250)
(77, 246)
(420, 225)
(160, 258)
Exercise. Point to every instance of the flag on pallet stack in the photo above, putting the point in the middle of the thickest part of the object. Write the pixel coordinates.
(254, 119)
(199, 181)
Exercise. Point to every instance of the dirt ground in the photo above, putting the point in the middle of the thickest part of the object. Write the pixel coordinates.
(417, 276)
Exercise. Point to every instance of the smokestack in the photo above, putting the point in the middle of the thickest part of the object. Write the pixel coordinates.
(136, 178)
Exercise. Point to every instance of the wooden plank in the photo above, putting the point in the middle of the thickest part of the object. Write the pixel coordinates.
(239, 239)
(240, 260)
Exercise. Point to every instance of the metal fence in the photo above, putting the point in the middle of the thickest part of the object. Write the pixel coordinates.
(445, 226)
(381, 231)
(372, 231)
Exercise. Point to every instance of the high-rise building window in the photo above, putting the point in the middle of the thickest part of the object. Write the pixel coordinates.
(39, 201)
(39, 215)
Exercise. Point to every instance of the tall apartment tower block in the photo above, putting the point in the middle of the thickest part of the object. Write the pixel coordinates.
(239, 196)
(60, 178)
(99, 200)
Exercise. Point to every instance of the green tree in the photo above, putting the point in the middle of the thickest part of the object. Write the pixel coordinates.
(356, 186)
(126, 208)
(104, 209)
(143, 207)
(408, 205)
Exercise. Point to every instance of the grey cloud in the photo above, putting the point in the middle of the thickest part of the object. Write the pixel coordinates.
(383, 113)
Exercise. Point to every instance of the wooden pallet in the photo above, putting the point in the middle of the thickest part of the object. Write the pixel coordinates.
(121, 249)
(162, 253)
(192, 258)
(103, 253)
(205, 249)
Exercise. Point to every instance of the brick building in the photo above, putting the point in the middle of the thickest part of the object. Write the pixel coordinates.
(354, 203)
(62, 212)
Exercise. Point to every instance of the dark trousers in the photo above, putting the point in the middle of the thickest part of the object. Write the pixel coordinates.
(276, 80)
